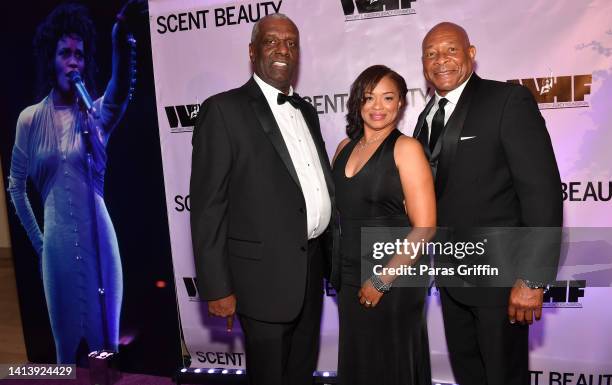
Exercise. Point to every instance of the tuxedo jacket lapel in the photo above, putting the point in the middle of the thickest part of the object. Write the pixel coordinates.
(451, 134)
(269, 126)
(421, 123)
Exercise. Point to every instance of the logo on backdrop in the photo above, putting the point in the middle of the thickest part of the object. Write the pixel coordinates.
(182, 118)
(182, 203)
(215, 18)
(373, 9)
(221, 358)
(329, 289)
(191, 288)
(554, 92)
(329, 103)
(335, 103)
(589, 191)
(564, 294)
(541, 377)
(433, 290)
(560, 294)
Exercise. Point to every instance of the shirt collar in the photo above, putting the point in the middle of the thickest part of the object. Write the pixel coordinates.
(269, 92)
(454, 95)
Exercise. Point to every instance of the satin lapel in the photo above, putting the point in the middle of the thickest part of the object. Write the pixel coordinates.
(270, 127)
(452, 132)
(311, 122)
(421, 122)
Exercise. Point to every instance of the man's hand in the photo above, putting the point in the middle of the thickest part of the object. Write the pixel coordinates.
(524, 303)
(224, 307)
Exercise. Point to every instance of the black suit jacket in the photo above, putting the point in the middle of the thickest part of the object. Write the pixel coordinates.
(248, 214)
(506, 175)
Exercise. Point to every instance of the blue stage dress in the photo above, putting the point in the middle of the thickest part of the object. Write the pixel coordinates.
(50, 150)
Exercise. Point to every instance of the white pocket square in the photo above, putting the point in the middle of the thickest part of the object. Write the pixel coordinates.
(466, 137)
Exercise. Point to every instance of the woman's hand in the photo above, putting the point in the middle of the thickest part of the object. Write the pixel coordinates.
(131, 12)
(368, 295)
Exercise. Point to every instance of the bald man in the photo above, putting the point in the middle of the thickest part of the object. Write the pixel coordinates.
(261, 201)
(494, 166)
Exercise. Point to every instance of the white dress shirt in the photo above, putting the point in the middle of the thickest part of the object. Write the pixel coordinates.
(304, 157)
(452, 97)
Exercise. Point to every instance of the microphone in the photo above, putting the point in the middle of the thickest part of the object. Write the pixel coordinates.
(77, 81)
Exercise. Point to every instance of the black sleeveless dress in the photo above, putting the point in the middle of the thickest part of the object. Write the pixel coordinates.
(385, 345)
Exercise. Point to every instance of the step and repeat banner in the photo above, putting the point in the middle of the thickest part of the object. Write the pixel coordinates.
(561, 51)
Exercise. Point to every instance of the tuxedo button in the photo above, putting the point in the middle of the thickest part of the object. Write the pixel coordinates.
(303, 248)
(302, 210)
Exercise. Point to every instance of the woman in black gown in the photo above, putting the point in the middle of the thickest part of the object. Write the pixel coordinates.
(382, 180)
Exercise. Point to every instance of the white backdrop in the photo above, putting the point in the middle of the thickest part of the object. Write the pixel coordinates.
(561, 49)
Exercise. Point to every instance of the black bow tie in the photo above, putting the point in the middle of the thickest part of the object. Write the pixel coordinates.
(293, 99)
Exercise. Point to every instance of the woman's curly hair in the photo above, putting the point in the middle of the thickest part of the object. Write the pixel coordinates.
(68, 19)
(366, 82)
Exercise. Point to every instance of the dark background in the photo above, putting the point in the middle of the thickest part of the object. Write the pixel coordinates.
(134, 194)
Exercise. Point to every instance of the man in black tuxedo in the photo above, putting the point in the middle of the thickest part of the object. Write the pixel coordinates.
(494, 166)
(261, 192)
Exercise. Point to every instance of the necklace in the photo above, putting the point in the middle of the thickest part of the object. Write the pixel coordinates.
(363, 143)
